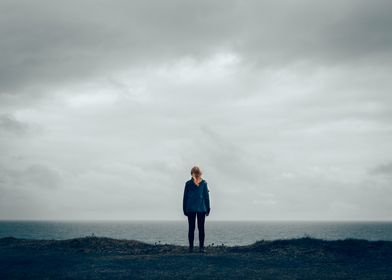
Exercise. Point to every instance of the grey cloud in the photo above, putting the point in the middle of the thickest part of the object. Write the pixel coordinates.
(227, 157)
(59, 43)
(318, 33)
(382, 169)
(41, 176)
(283, 104)
(46, 43)
(34, 176)
(8, 123)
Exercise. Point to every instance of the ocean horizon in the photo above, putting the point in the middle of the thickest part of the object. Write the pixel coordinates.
(218, 232)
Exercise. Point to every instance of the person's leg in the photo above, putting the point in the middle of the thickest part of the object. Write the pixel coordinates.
(191, 228)
(200, 226)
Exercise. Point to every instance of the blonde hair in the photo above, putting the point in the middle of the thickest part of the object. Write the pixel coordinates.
(196, 170)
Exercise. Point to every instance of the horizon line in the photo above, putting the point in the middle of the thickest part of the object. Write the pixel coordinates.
(182, 220)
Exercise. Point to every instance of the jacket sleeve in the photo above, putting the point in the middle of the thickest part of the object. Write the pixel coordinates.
(184, 199)
(207, 197)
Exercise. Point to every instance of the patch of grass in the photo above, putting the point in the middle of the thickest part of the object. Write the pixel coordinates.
(93, 257)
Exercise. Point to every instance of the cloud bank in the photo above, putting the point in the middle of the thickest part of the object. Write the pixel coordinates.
(106, 106)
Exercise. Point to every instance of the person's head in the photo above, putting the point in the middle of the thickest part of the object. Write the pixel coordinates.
(196, 172)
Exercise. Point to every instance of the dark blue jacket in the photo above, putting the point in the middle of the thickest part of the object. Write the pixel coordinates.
(196, 198)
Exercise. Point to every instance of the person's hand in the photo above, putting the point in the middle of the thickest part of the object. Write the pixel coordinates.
(208, 212)
(185, 213)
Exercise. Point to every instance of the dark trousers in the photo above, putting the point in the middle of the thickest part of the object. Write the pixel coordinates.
(200, 226)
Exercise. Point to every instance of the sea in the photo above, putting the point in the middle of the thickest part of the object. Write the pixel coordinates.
(229, 233)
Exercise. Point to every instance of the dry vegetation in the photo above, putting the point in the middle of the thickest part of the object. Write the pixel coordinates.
(106, 258)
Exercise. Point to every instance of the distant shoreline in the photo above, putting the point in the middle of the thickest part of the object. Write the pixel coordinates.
(105, 258)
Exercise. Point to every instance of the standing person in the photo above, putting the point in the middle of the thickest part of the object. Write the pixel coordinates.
(196, 204)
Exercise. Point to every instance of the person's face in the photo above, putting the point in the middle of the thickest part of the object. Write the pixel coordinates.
(196, 175)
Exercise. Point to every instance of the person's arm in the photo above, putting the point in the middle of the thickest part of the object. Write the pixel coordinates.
(184, 199)
(207, 199)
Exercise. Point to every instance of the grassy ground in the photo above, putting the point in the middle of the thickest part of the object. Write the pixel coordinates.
(106, 258)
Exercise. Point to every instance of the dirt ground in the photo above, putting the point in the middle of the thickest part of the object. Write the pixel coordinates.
(106, 258)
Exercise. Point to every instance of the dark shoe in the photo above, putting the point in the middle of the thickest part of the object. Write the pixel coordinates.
(190, 249)
(202, 250)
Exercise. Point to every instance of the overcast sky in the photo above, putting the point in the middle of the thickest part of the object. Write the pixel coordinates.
(286, 106)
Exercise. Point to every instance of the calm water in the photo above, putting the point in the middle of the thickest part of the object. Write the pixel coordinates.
(217, 232)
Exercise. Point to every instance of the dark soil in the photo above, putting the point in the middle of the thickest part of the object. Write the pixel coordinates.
(107, 258)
